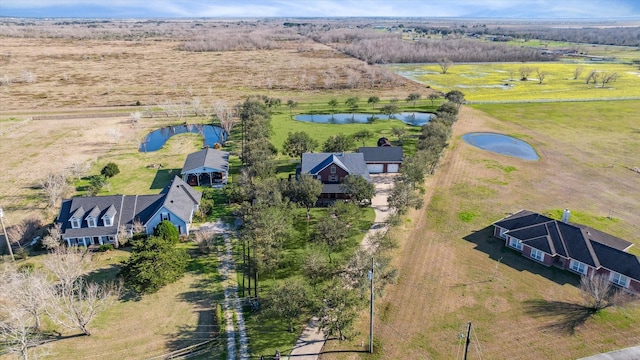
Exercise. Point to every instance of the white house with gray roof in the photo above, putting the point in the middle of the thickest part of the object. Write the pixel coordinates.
(206, 167)
(95, 220)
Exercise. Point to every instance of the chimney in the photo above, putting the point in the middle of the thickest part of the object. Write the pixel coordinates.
(565, 216)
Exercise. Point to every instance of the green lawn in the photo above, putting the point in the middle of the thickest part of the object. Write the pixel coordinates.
(500, 82)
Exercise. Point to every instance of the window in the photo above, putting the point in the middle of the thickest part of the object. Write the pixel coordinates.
(502, 231)
(619, 279)
(515, 243)
(320, 177)
(578, 267)
(537, 254)
(75, 223)
(333, 169)
(108, 221)
(164, 216)
(91, 222)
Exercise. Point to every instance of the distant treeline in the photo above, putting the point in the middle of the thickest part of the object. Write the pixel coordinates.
(622, 36)
(384, 48)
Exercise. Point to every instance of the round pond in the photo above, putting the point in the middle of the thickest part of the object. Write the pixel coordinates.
(410, 118)
(156, 139)
(501, 144)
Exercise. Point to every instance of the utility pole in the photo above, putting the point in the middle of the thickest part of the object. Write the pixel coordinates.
(466, 345)
(371, 309)
(6, 237)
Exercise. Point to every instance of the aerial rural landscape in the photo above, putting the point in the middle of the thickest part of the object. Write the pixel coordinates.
(313, 185)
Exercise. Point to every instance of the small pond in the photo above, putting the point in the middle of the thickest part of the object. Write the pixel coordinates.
(156, 139)
(410, 118)
(501, 144)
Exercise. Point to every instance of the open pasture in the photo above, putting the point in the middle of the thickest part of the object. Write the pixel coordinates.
(501, 82)
(452, 270)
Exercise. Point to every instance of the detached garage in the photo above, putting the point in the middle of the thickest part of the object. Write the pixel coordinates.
(382, 159)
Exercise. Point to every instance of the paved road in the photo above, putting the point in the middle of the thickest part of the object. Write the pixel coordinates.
(631, 353)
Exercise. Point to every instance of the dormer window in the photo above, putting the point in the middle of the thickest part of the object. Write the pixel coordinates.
(108, 221)
(75, 223)
(92, 222)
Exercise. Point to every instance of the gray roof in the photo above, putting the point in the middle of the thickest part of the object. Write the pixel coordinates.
(181, 198)
(178, 197)
(383, 154)
(353, 163)
(211, 159)
(574, 241)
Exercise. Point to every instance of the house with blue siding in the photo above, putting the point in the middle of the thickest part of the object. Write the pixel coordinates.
(97, 220)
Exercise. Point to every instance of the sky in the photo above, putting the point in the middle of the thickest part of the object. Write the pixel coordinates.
(531, 9)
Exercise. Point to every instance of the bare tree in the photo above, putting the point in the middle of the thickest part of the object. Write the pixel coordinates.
(16, 332)
(196, 103)
(596, 290)
(137, 226)
(608, 77)
(541, 75)
(225, 116)
(525, 71)
(78, 169)
(134, 118)
(31, 292)
(577, 72)
(205, 240)
(77, 306)
(593, 75)
(77, 302)
(445, 64)
(52, 240)
(55, 187)
(124, 236)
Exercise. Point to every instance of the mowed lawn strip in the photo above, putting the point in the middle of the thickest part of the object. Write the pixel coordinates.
(453, 271)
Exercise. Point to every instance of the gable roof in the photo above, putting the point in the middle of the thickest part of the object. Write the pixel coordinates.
(213, 159)
(574, 241)
(178, 197)
(381, 153)
(353, 163)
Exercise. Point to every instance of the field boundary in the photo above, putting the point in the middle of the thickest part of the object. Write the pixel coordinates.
(473, 102)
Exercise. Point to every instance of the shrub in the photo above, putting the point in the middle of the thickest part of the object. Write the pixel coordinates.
(105, 247)
(110, 170)
(167, 231)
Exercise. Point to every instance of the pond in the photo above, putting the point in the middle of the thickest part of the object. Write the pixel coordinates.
(156, 139)
(410, 118)
(501, 144)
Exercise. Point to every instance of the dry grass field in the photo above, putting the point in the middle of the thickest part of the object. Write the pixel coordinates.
(453, 271)
(98, 77)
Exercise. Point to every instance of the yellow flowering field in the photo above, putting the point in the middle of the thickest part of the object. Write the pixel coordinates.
(501, 82)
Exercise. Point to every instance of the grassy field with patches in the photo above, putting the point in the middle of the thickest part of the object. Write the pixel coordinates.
(498, 82)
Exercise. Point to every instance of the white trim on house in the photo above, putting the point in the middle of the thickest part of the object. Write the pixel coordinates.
(515, 243)
(577, 266)
(502, 232)
(619, 279)
(537, 254)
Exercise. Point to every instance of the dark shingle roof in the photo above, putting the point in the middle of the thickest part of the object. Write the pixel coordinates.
(574, 241)
(177, 197)
(353, 163)
(213, 159)
(382, 153)
(616, 260)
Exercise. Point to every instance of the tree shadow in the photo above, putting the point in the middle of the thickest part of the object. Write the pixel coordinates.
(163, 177)
(203, 296)
(487, 243)
(569, 316)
